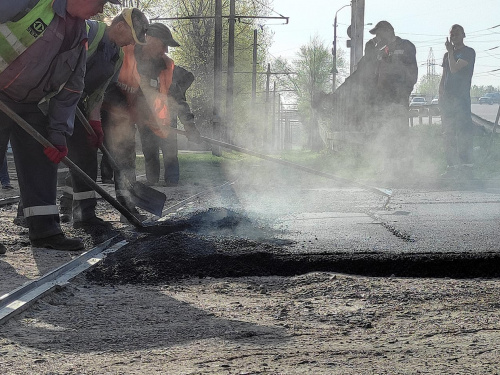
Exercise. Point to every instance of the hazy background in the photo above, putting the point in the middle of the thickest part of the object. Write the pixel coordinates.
(426, 23)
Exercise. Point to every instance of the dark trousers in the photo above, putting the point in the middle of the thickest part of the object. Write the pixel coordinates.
(119, 136)
(37, 175)
(4, 171)
(107, 172)
(151, 145)
(391, 142)
(458, 133)
(78, 197)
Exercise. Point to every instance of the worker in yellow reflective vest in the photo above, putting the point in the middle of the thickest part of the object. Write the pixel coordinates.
(104, 60)
(42, 68)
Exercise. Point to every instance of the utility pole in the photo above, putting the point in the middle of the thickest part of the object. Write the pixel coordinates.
(266, 116)
(273, 120)
(334, 50)
(431, 64)
(279, 128)
(357, 29)
(230, 65)
(254, 69)
(217, 120)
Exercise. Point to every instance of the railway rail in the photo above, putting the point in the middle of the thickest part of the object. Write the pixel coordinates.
(20, 298)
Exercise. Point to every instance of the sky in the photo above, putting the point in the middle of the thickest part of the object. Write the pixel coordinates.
(425, 23)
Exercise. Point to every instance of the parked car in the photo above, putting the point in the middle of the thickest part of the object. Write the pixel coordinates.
(434, 109)
(418, 101)
(490, 98)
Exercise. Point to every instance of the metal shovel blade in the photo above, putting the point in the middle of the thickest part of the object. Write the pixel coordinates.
(147, 198)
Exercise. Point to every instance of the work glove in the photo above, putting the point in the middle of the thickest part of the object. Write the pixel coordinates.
(192, 134)
(95, 140)
(56, 153)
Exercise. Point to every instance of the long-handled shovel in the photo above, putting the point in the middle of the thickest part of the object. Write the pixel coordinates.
(143, 196)
(385, 192)
(122, 209)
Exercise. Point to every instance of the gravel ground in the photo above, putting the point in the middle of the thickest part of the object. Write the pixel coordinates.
(159, 306)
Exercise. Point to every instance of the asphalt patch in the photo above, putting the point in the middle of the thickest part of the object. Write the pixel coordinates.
(222, 243)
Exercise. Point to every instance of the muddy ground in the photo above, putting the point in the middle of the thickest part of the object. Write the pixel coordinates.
(223, 296)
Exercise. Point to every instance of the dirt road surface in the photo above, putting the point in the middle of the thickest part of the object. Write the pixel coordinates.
(319, 323)
(312, 323)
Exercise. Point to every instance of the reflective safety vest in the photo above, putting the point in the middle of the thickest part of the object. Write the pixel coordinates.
(129, 81)
(16, 37)
(162, 127)
(100, 69)
(94, 43)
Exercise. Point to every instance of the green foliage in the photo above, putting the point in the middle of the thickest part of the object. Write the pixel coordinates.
(314, 70)
(429, 85)
(478, 91)
(196, 37)
(195, 33)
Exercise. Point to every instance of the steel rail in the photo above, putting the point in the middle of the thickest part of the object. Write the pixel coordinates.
(23, 297)
(10, 200)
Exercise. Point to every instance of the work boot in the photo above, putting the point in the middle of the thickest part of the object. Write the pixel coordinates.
(20, 221)
(59, 242)
(3, 249)
(65, 218)
(93, 222)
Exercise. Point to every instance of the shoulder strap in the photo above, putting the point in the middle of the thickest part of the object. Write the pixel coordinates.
(94, 43)
(25, 11)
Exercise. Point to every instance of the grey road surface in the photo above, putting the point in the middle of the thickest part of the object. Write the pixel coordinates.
(334, 220)
(486, 111)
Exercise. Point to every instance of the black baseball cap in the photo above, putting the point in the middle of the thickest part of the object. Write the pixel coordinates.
(381, 25)
(162, 32)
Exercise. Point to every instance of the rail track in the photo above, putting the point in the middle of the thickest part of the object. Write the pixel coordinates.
(22, 297)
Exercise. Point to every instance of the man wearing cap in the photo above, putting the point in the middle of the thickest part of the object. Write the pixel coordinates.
(104, 60)
(395, 70)
(153, 140)
(141, 97)
(455, 102)
(42, 68)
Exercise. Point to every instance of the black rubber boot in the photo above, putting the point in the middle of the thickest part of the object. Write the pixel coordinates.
(59, 242)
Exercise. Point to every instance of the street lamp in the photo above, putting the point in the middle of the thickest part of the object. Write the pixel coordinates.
(334, 51)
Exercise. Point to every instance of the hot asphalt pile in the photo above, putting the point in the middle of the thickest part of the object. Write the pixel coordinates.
(223, 243)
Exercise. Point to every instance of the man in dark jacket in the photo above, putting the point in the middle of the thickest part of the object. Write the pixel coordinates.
(42, 68)
(151, 143)
(395, 73)
(455, 102)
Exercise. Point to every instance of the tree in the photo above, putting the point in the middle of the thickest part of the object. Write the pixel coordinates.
(429, 85)
(313, 66)
(195, 33)
(196, 37)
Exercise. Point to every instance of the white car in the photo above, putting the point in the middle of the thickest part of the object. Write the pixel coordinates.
(418, 101)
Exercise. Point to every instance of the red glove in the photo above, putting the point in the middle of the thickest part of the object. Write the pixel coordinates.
(96, 140)
(56, 153)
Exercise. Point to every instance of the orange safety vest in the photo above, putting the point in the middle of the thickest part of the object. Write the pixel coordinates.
(129, 81)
